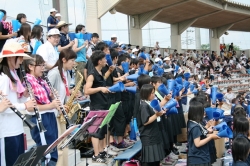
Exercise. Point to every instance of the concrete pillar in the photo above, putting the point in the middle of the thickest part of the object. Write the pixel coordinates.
(62, 7)
(93, 23)
(175, 38)
(135, 31)
(198, 38)
(214, 40)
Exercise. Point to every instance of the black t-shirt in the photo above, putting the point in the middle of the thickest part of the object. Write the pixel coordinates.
(89, 66)
(124, 95)
(4, 32)
(99, 100)
(64, 41)
(109, 80)
(196, 155)
(149, 134)
(137, 103)
(231, 48)
(117, 94)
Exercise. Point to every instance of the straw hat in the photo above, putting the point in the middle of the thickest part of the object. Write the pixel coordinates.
(62, 23)
(13, 49)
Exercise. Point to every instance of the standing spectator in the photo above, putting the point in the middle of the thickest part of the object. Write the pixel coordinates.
(64, 42)
(36, 35)
(5, 31)
(157, 45)
(231, 47)
(21, 17)
(48, 50)
(58, 17)
(24, 38)
(92, 44)
(51, 21)
(166, 54)
(79, 48)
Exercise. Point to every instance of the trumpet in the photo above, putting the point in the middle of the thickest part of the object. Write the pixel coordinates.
(32, 96)
(55, 96)
(23, 117)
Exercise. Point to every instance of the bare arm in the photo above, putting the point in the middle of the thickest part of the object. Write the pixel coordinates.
(88, 87)
(60, 48)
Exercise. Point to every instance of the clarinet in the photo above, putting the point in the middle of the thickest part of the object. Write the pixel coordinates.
(55, 96)
(23, 117)
(32, 96)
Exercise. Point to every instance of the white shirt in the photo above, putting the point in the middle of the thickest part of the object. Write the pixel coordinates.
(10, 123)
(62, 92)
(89, 52)
(49, 53)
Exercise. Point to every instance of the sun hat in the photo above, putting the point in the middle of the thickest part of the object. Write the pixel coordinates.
(13, 49)
(62, 23)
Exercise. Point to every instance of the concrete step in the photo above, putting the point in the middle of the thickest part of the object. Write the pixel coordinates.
(110, 162)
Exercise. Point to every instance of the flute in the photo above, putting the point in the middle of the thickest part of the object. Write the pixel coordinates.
(55, 96)
(22, 116)
(32, 96)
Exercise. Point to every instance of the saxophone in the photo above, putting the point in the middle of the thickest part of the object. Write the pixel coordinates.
(70, 103)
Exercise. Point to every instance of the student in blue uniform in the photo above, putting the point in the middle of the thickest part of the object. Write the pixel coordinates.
(152, 147)
(240, 151)
(198, 137)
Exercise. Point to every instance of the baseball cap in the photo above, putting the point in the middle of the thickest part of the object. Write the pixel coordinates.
(54, 31)
(167, 59)
(58, 15)
(53, 10)
(113, 35)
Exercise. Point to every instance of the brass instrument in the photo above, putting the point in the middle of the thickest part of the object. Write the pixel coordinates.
(70, 103)
(64, 113)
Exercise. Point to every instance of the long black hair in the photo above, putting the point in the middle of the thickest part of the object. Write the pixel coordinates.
(196, 110)
(67, 54)
(4, 68)
(240, 149)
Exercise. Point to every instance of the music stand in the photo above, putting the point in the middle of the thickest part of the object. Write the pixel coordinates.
(56, 142)
(32, 157)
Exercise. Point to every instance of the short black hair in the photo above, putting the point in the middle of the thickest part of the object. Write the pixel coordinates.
(121, 58)
(146, 91)
(20, 16)
(241, 125)
(4, 11)
(79, 28)
(240, 149)
(101, 46)
(196, 110)
(143, 79)
(95, 35)
(113, 53)
(155, 79)
(134, 61)
(96, 56)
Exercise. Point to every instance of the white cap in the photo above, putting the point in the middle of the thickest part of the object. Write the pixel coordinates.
(166, 59)
(54, 31)
(114, 35)
(157, 59)
(53, 10)
(58, 15)
(134, 50)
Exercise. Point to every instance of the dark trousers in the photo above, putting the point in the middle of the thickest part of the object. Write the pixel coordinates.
(14, 146)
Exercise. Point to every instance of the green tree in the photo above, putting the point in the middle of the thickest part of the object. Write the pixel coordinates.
(205, 46)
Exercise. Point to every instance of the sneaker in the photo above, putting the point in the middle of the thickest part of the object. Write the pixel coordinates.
(173, 156)
(129, 142)
(175, 151)
(110, 151)
(98, 159)
(114, 148)
(123, 146)
(105, 155)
